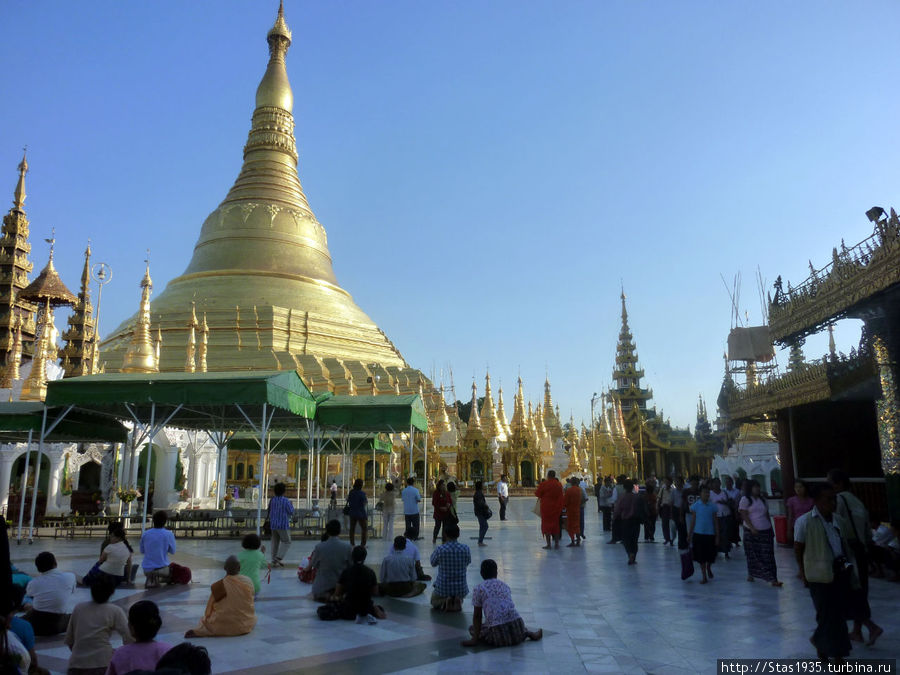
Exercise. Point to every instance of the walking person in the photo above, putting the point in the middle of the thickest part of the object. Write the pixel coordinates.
(824, 557)
(388, 503)
(333, 490)
(411, 497)
(723, 513)
(582, 483)
(664, 504)
(453, 493)
(550, 494)
(616, 525)
(734, 498)
(357, 502)
(440, 500)
(629, 513)
(280, 511)
(503, 495)
(603, 491)
(759, 537)
(851, 509)
(572, 499)
(651, 500)
(482, 511)
(798, 504)
(704, 533)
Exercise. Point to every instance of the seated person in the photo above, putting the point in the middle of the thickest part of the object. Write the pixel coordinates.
(19, 578)
(412, 551)
(329, 558)
(131, 573)
(114, 565)
(23, 630)
(229, 610)
(156, 545)
(144, 623)
(51, 597)
(398, 573)
(451, 558)
(90, 629)
(182, 659)
(253, 559)
(495, 621)
(880, 548)
(355, 588)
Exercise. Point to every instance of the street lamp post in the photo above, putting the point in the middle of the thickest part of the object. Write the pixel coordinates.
(594, 399)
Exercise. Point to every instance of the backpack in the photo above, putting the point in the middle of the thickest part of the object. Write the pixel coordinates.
(179, 574)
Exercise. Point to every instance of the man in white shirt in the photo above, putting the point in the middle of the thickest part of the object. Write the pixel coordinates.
(51, 594)
(503, 495)
(412, 551)
(411, 498)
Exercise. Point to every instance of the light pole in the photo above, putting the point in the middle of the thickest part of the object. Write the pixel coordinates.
(102, 274)
(594, 399)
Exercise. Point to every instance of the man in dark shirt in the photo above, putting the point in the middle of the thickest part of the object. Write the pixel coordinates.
(356, 587)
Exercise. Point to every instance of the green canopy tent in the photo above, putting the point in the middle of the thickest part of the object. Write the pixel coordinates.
(384, 413)
(218, 403)
(19, 420)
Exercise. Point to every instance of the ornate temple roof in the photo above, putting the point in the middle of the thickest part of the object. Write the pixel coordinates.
(48, 288)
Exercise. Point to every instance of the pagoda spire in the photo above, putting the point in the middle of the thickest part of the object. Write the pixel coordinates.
(190, 365)
(442, 423)
(519, 421)
(539, 425)
(490, 422)
(501, 413)
(204, 340)
(141, 356)
(81, 338)
(550, 418)
(474, 418)
(11, 373)
(14, 270)
(19, 194)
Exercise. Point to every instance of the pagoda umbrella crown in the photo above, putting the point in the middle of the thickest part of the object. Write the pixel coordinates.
(48, 289)
(206, 401)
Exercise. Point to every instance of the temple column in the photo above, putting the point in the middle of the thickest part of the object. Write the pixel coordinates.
(884, 349)
(7, 458)
(56, 465)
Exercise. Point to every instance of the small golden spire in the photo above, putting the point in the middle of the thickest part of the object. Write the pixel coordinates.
(141, 357)
(19, 194)
(274, 89)
(15, 361)
(189, 365)
(35, 386)
(474, 417)
(157, 347)
(204, 339)
(501, 413)
(491, 424)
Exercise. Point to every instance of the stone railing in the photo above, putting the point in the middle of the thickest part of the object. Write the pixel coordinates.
(854, 275)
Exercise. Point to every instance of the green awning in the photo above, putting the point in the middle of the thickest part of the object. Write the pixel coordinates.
(385, 413)
(331, 445)
(17, 418)
(209, 400)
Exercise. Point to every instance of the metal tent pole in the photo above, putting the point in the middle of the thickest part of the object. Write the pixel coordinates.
(37, 475)
(24, 486)
(425, 480)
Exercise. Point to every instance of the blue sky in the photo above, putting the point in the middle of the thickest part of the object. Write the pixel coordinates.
(488, 173)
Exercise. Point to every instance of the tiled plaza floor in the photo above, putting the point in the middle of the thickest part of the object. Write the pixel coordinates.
(598, 614)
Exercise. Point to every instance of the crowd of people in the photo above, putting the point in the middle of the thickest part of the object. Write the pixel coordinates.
(837, 546)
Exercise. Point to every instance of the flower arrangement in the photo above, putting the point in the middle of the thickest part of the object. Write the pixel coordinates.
(185, 494)
(228, 497)
(127, 495)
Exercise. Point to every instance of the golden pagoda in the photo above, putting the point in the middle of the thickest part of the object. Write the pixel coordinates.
(551, 419)
(48, 292)
(501, 413)
(142, 356)
(490, 421)
(261, 269)
(78, 354)
(14, 270)
(474, 458)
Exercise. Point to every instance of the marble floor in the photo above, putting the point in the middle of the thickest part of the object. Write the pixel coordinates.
(598, 614)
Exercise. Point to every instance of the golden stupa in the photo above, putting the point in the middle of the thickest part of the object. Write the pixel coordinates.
(261, 271)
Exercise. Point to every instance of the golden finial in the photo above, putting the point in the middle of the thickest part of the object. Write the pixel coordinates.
(204, 339)
(19, 194)
(280, 28)
(157, 348)
(35, 386)
(189, 365)
(141, 356)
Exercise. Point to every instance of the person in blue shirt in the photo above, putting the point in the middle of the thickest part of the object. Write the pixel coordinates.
(703, 533)
(156, 544)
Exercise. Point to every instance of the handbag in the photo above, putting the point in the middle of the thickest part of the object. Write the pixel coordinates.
(537, 507)
(267, 528)
(346, 509)
(488, 513)
(687, 564)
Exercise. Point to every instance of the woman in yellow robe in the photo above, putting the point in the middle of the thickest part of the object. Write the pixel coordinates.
(229, 610)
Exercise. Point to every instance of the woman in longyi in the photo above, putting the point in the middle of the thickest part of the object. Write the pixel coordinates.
(229, 610)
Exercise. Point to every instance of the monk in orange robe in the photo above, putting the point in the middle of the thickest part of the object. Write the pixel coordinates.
(572, 499)
(550, 492)
(230, 608)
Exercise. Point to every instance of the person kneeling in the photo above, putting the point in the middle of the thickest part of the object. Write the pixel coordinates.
(398, 573)
(495, 621)
(451, 559)
(229, 610)
(353, 593)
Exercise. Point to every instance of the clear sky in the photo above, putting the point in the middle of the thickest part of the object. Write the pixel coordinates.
(488, 172)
